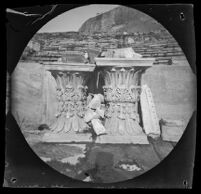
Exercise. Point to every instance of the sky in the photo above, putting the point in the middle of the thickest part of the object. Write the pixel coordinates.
(73, 19)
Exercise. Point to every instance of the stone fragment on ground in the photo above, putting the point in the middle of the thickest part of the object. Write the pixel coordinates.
(100, 112)
(94, 112)
(89, 115)
(45, 159)
(172, 130)
(87, 179)
(129, 167)
(98, 126)
(66, 137)
(73, 160)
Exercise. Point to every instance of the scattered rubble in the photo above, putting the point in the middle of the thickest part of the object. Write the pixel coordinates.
(73, 160)
(129, 167)
(94, 112)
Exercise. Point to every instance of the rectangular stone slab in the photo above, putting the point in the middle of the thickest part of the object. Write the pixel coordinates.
(60, 66)
(125, 62)
(103, 139)
(66, 138)
(149, 115)
(117, 139)
(172, 133)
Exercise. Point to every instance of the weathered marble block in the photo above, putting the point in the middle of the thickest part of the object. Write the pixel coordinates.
(72, 101)
(149, 116)
(172, 130)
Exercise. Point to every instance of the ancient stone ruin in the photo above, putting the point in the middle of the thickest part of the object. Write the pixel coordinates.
(124, 113)
(72, 101)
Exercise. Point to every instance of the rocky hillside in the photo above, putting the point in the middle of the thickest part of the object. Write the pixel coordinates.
(118, 20)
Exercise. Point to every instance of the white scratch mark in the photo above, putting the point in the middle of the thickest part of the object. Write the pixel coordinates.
(8, 10)
(43, 16)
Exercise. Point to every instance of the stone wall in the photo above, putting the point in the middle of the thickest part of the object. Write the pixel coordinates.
(174, 90)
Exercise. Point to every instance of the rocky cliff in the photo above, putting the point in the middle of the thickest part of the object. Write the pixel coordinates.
(118, 20)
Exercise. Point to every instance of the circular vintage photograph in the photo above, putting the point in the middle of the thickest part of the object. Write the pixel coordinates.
(102, 93)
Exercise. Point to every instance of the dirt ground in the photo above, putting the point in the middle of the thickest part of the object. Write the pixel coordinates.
(101, 163)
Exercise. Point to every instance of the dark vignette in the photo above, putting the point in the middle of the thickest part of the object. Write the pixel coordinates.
(24, 168)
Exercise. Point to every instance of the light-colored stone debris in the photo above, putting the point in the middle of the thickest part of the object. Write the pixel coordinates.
(45, 159)
(94, 112)
(129, 167)
(87, 179)
(98, 126)
(90, 115)
(149, 116)
(172, 130)
(73, 160)
(96, 101)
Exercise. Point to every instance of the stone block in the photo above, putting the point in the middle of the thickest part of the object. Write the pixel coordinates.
(98, 127)
(96, 101)
(66, 138)
(149, 115)
(172, 133)
(172, 130)
(125, 139)
(100, 112)
(89, 115)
